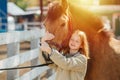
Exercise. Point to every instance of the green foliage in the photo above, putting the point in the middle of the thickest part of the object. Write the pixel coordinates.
(21, 3)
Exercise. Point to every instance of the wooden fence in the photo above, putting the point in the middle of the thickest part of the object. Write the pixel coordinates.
(15, 58)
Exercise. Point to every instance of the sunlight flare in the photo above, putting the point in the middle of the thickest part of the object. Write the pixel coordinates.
(85, 2)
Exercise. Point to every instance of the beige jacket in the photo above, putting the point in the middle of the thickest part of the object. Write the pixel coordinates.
(72, 68)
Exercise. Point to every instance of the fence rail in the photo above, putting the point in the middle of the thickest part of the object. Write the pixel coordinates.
(15, 58)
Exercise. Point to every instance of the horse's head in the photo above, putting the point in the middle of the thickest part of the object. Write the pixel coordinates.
(57, 23)
(63, 18)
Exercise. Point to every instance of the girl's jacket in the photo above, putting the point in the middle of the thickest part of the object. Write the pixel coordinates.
(67, 67)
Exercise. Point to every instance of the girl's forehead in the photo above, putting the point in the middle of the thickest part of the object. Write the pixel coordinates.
(75, 36)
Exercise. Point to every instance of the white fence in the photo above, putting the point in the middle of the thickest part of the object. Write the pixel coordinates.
(15, 58)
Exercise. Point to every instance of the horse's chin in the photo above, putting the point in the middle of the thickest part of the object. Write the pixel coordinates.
(54, 44)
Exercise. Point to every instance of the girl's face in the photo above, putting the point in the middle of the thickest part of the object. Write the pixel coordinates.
(75, 42)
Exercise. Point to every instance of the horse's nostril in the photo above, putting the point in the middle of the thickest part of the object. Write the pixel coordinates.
(63, 24)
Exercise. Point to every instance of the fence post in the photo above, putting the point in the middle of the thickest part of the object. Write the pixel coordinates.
(12, 49)
(35, 44)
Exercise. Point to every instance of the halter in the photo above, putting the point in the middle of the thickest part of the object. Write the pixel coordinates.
(70, 30)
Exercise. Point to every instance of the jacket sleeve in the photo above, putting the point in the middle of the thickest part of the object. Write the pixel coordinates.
(74, 63)
(41, 58)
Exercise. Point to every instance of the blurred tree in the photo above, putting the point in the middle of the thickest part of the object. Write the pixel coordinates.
(29, 3)
(21, 3)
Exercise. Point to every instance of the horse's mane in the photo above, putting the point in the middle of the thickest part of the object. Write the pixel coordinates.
(88, 22)
(93, 26)
(85, 18)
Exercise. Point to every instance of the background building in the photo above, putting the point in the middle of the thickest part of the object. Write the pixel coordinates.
(3, 15)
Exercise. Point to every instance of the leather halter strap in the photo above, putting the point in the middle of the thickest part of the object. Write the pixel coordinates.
(70, 30)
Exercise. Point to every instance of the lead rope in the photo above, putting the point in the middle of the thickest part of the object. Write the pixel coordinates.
(41, 65)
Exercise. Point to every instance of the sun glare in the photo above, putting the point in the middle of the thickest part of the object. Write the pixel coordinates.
(85, 2)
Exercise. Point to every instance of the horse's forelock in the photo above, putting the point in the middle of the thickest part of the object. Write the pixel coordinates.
(55, 11)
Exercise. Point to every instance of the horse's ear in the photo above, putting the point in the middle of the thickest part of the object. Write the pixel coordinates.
(64, 4)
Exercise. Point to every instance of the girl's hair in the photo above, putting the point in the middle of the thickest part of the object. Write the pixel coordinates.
(84, 49)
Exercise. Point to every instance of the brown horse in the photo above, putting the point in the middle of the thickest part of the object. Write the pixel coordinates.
(63, 18)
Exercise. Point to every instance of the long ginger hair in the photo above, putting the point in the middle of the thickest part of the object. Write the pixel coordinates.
(84, 49)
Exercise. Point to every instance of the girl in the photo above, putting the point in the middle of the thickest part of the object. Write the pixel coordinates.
(72, 65)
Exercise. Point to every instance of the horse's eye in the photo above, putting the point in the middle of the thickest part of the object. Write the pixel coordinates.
(63, 24)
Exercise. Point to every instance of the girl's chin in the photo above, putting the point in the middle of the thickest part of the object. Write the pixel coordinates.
(73, 48)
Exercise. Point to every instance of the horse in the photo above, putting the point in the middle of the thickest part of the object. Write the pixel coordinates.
(63, 18)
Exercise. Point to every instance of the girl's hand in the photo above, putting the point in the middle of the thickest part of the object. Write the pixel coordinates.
(48, 36)
(45, 47)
